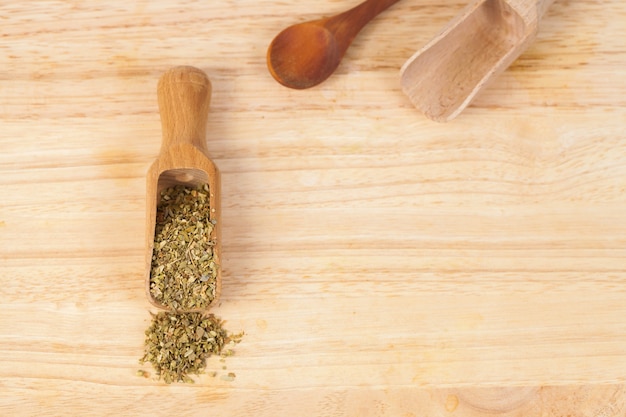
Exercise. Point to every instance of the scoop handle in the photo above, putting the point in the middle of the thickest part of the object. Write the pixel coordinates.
(530, 10)
(542, 7)
(184, 95)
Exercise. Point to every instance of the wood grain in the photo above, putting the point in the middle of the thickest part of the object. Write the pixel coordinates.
(380, 264)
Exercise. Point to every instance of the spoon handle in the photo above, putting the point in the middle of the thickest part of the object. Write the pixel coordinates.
(184, 95)
(349, 23)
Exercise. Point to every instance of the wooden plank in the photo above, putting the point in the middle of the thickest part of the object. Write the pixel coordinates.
(378, 262)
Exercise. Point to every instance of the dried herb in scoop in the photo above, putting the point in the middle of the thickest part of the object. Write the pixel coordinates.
(183, 270)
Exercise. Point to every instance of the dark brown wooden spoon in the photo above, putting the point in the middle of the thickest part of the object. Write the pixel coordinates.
(304, 55)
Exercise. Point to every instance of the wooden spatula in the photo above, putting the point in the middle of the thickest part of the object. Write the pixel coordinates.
(443, 77)
(184, 94)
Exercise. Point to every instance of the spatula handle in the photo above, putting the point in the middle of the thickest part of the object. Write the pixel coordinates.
(184, 95)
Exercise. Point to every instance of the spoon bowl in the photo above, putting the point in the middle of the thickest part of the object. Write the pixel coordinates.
(184, 94)
(317, 53)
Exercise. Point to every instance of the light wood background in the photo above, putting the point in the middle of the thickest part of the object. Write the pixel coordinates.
(380, 264)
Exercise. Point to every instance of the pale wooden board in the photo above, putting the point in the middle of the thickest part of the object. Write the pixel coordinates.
(379, 263)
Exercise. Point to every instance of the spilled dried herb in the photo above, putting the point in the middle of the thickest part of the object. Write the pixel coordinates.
(179, 344)
(183, 272)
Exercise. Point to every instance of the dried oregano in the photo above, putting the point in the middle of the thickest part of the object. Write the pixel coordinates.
(183, 277)
(183, 271)
(178, 344)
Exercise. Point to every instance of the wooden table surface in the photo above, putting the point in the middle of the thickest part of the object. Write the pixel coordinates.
(380, 264)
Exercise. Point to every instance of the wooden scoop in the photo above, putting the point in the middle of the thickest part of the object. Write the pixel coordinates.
(306, 54)
(443, 77)
(184, 94)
